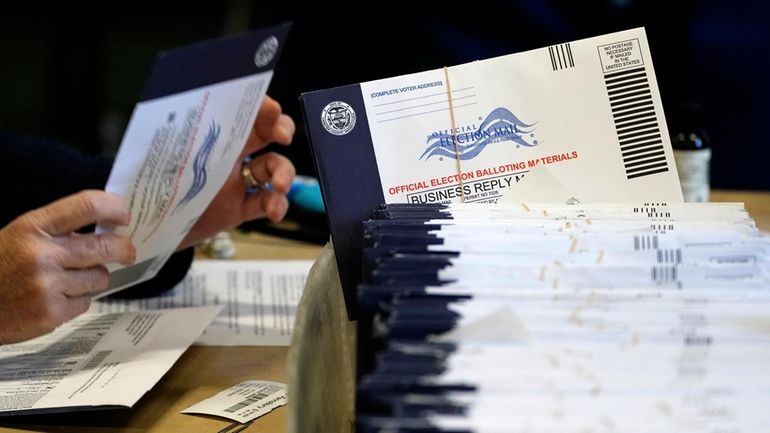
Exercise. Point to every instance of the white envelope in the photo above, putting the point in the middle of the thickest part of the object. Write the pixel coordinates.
(184, 137)
(578, 120)
(591, 127)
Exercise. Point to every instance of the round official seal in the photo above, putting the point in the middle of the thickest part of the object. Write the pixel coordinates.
(338, 118)
(266, 51)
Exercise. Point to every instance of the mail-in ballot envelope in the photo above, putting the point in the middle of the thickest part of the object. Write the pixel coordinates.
(578, 120)
(185, 135)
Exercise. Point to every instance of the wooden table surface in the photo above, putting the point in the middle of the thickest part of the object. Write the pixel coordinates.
(204, 371)
(756, 202)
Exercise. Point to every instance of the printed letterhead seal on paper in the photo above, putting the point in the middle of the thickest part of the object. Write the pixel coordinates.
(266, 51)
(338, 118)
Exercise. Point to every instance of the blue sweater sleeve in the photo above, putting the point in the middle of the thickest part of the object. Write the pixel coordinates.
(35, 172)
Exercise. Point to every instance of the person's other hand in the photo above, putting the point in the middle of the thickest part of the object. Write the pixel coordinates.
(232, 204)
(48, 272)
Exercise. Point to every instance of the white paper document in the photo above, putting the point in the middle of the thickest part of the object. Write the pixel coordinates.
(183, 140)
(244, 402)
(259, 297)
(97, 360)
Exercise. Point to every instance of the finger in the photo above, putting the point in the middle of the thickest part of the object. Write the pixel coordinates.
(275, 169)
(89, 281)
(270, 204)
(268, 115)
(283, 131)
(83, 251)
(70, 213)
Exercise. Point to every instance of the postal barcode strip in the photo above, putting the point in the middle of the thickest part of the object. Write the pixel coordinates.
(637, 163)
(661, 228)
(629, 99)
(636, 124)
(645, 139)
(561, 57)
(664, 274)
(644, 117)
(645, 242)
(650, 208)
(670, 256)
(626, 136)
(624, 92)
(253, 398)
(96, 359)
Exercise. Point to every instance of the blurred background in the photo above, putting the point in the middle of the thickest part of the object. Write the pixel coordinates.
(73, 71)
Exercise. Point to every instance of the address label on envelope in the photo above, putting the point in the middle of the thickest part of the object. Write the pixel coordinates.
(584, 116)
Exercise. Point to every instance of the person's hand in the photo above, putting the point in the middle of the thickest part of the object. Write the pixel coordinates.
(232, 204)
(48, 272)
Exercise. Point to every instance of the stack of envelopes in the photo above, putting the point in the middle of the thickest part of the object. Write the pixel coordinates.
(564, 318)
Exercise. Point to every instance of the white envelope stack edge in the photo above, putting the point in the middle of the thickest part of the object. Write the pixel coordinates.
(554, 318)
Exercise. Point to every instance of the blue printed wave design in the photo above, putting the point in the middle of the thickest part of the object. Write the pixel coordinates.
(200, 163)
(500, 125)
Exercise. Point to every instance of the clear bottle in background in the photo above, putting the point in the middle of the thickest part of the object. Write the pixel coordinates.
(692, 152)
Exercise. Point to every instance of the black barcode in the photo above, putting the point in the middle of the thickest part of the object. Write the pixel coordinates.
(636, 124)
(663, 274)
(96, 359)
(253, 398)
(645, 242)
(652, 211)
(561, 57)
(661, 227)
(673, 256)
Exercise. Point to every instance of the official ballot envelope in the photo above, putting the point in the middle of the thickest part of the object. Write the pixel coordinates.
(185, 134)
(580, 120)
